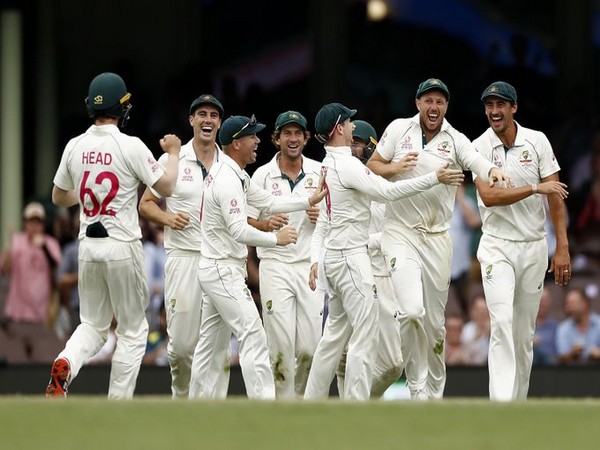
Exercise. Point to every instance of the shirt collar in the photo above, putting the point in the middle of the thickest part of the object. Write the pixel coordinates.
(342, 150)
(275, 170)
(241, 173)
(187, 152)
(519, 138)
(109, 128)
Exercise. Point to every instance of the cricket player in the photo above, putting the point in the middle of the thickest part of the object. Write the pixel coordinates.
(513, 250)
(227, 303)
(180, 217)
(344, 267)
(101, 170)
(415, 240)
(292, 312)
(388, 363)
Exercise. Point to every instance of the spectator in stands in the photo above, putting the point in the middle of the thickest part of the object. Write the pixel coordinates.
(585, 204)
(455, 353)
(465, 219)
(544, 339)
(574, 334)
(475, 336)
(30, 261)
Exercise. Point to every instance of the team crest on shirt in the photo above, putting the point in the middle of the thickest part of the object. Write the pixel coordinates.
(438, 349)
(374, 287)
(233, 207)
(309, 184)
(488, 272)
(406, 144)
(269, 306)
(187, 175)
(444, 148)
(525, 158)
(248, 294)
(208, 180)
(172, 304)
(276, 189)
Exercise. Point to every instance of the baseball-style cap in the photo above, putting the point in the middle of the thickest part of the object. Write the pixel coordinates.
(236, 127)
(207, 99)
(364, 131)
(288, 117)
(433, 84)
(330, 115)
(500, 89)
(34, 210)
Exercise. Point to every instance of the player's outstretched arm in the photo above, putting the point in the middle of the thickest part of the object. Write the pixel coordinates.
(388, 169)
(165, 185)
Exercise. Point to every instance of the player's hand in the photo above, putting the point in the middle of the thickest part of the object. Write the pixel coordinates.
(287, 235)
(451, 177)
(560, 264)
(553, 187)
(320, 193)
(277, 222)
(313, 214)
(170, 144)
(408, 162)
(312, 276)
(178, 221)
(499, 177)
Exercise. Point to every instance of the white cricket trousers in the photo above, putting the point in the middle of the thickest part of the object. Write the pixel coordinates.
(112, 280)
(419, 265)
(352, 321)
(183, 305)
(292, 316)
(389, 363)
(228, 306)
(513, 280)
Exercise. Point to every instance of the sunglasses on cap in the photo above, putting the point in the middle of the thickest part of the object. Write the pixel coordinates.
(251, 123)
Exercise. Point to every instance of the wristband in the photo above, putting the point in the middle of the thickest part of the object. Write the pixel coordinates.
(534, 189)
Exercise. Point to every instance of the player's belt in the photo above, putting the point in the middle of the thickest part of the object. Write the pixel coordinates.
(96, 230)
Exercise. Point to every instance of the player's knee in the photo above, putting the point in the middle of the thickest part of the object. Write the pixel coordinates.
(412, 313)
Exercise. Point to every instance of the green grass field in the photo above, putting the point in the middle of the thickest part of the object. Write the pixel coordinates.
(88, 423)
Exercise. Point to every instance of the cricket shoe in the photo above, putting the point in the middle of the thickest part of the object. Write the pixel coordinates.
(59, 378)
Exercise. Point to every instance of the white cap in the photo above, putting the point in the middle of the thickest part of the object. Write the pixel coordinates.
(34, 210)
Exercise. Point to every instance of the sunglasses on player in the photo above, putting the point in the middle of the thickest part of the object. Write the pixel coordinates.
(251, 123)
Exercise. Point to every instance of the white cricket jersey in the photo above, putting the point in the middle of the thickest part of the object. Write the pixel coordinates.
(105, 167)
(344, 220)
(270, 178)
(528, 161)
(186, 198)
(224, 224)
(429, 211)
